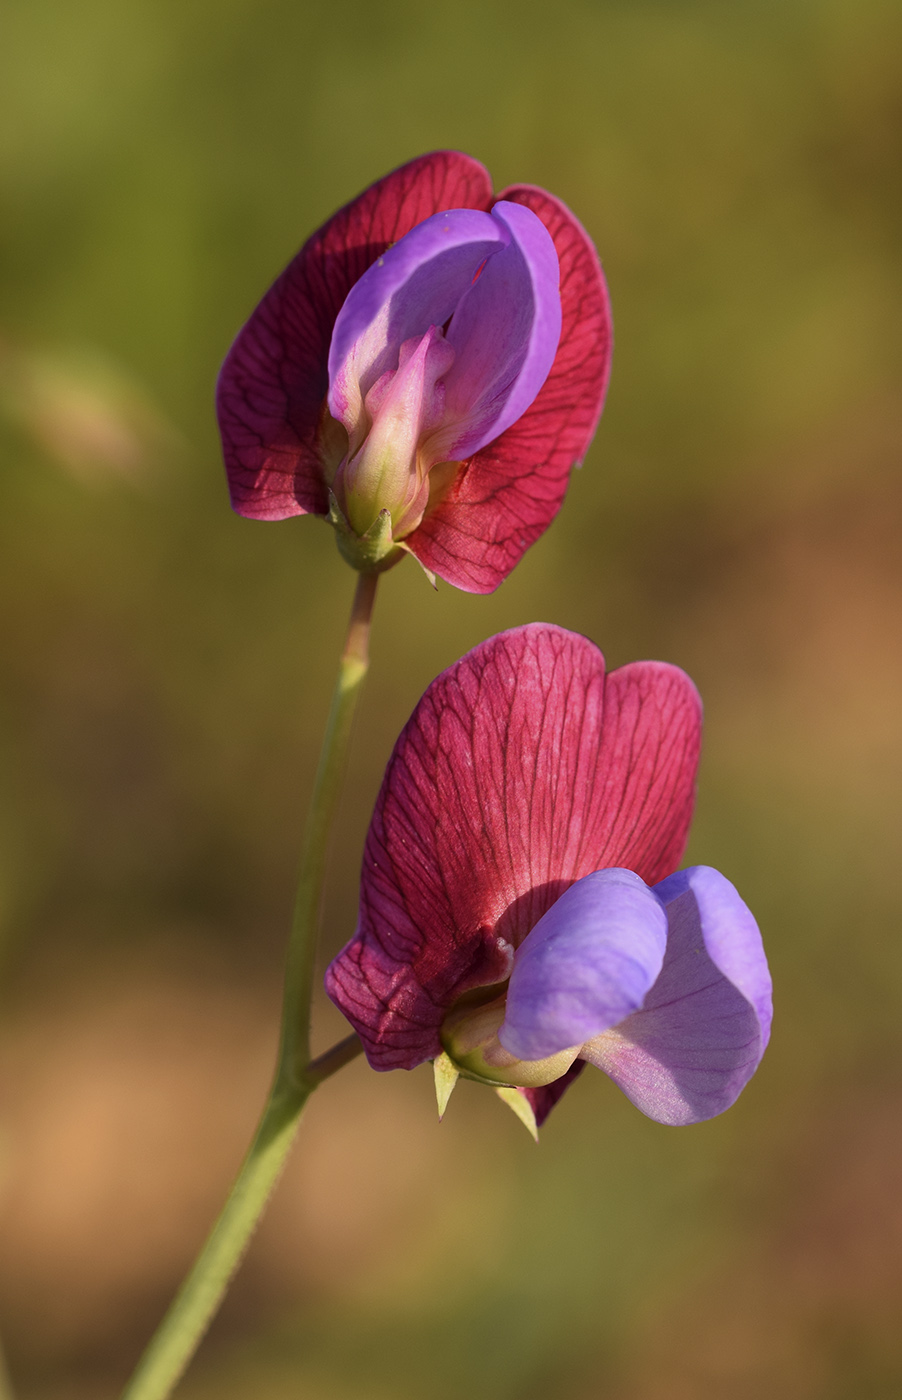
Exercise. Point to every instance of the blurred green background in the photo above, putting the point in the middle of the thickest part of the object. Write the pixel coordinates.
(167, 666)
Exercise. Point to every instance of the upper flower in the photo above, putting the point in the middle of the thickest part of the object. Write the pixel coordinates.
(518, 907)
(426, 370)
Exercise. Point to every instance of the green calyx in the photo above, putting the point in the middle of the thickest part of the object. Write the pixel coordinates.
(447, 1074)
(470, 1041)
(370, 553)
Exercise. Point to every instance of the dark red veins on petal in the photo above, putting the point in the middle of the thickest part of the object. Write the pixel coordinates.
(512, 489)
(522, 769)
(274, 380)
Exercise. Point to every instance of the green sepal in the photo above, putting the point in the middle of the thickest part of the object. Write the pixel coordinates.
(520, 1105)
(446, 1076)
(370, 553)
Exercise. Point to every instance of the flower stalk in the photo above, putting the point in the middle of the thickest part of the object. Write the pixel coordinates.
(297, 1075)
(294, 1051)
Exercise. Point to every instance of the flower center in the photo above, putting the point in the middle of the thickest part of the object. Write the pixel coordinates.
(389, 469)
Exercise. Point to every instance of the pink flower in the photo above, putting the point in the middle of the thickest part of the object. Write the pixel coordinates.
(426, 371)
(518, 904)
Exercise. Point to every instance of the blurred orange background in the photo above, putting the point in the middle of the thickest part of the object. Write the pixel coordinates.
(166, 671)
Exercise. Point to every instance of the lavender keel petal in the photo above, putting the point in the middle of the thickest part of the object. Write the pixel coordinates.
(586, 965)
(505, 334)
(688, 1054)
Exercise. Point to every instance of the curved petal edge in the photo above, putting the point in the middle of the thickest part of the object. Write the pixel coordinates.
(688, 1054)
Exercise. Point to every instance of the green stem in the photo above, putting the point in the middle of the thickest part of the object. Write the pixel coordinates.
(296, 1077)
(294, 1052)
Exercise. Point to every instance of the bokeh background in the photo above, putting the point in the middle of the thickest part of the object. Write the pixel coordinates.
(166, 669)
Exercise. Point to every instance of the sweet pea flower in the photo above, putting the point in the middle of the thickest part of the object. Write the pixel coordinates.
(425, 372)
(520, 915)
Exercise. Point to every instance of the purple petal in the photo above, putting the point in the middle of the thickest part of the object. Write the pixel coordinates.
(699, 1038)
(586, 965)
(415, 284)
(505, 333)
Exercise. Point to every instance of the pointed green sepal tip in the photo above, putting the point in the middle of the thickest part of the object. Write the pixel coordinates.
(446, 1076)
(522, 1107)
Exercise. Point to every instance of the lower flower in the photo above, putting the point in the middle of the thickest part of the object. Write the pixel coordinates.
(519, 917)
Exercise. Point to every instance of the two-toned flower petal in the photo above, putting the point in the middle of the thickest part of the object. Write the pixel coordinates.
(523, 769)
(518, 914)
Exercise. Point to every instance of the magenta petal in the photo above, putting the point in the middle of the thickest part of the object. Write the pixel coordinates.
(688, 1054)
(588, 963)
(522, 769)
